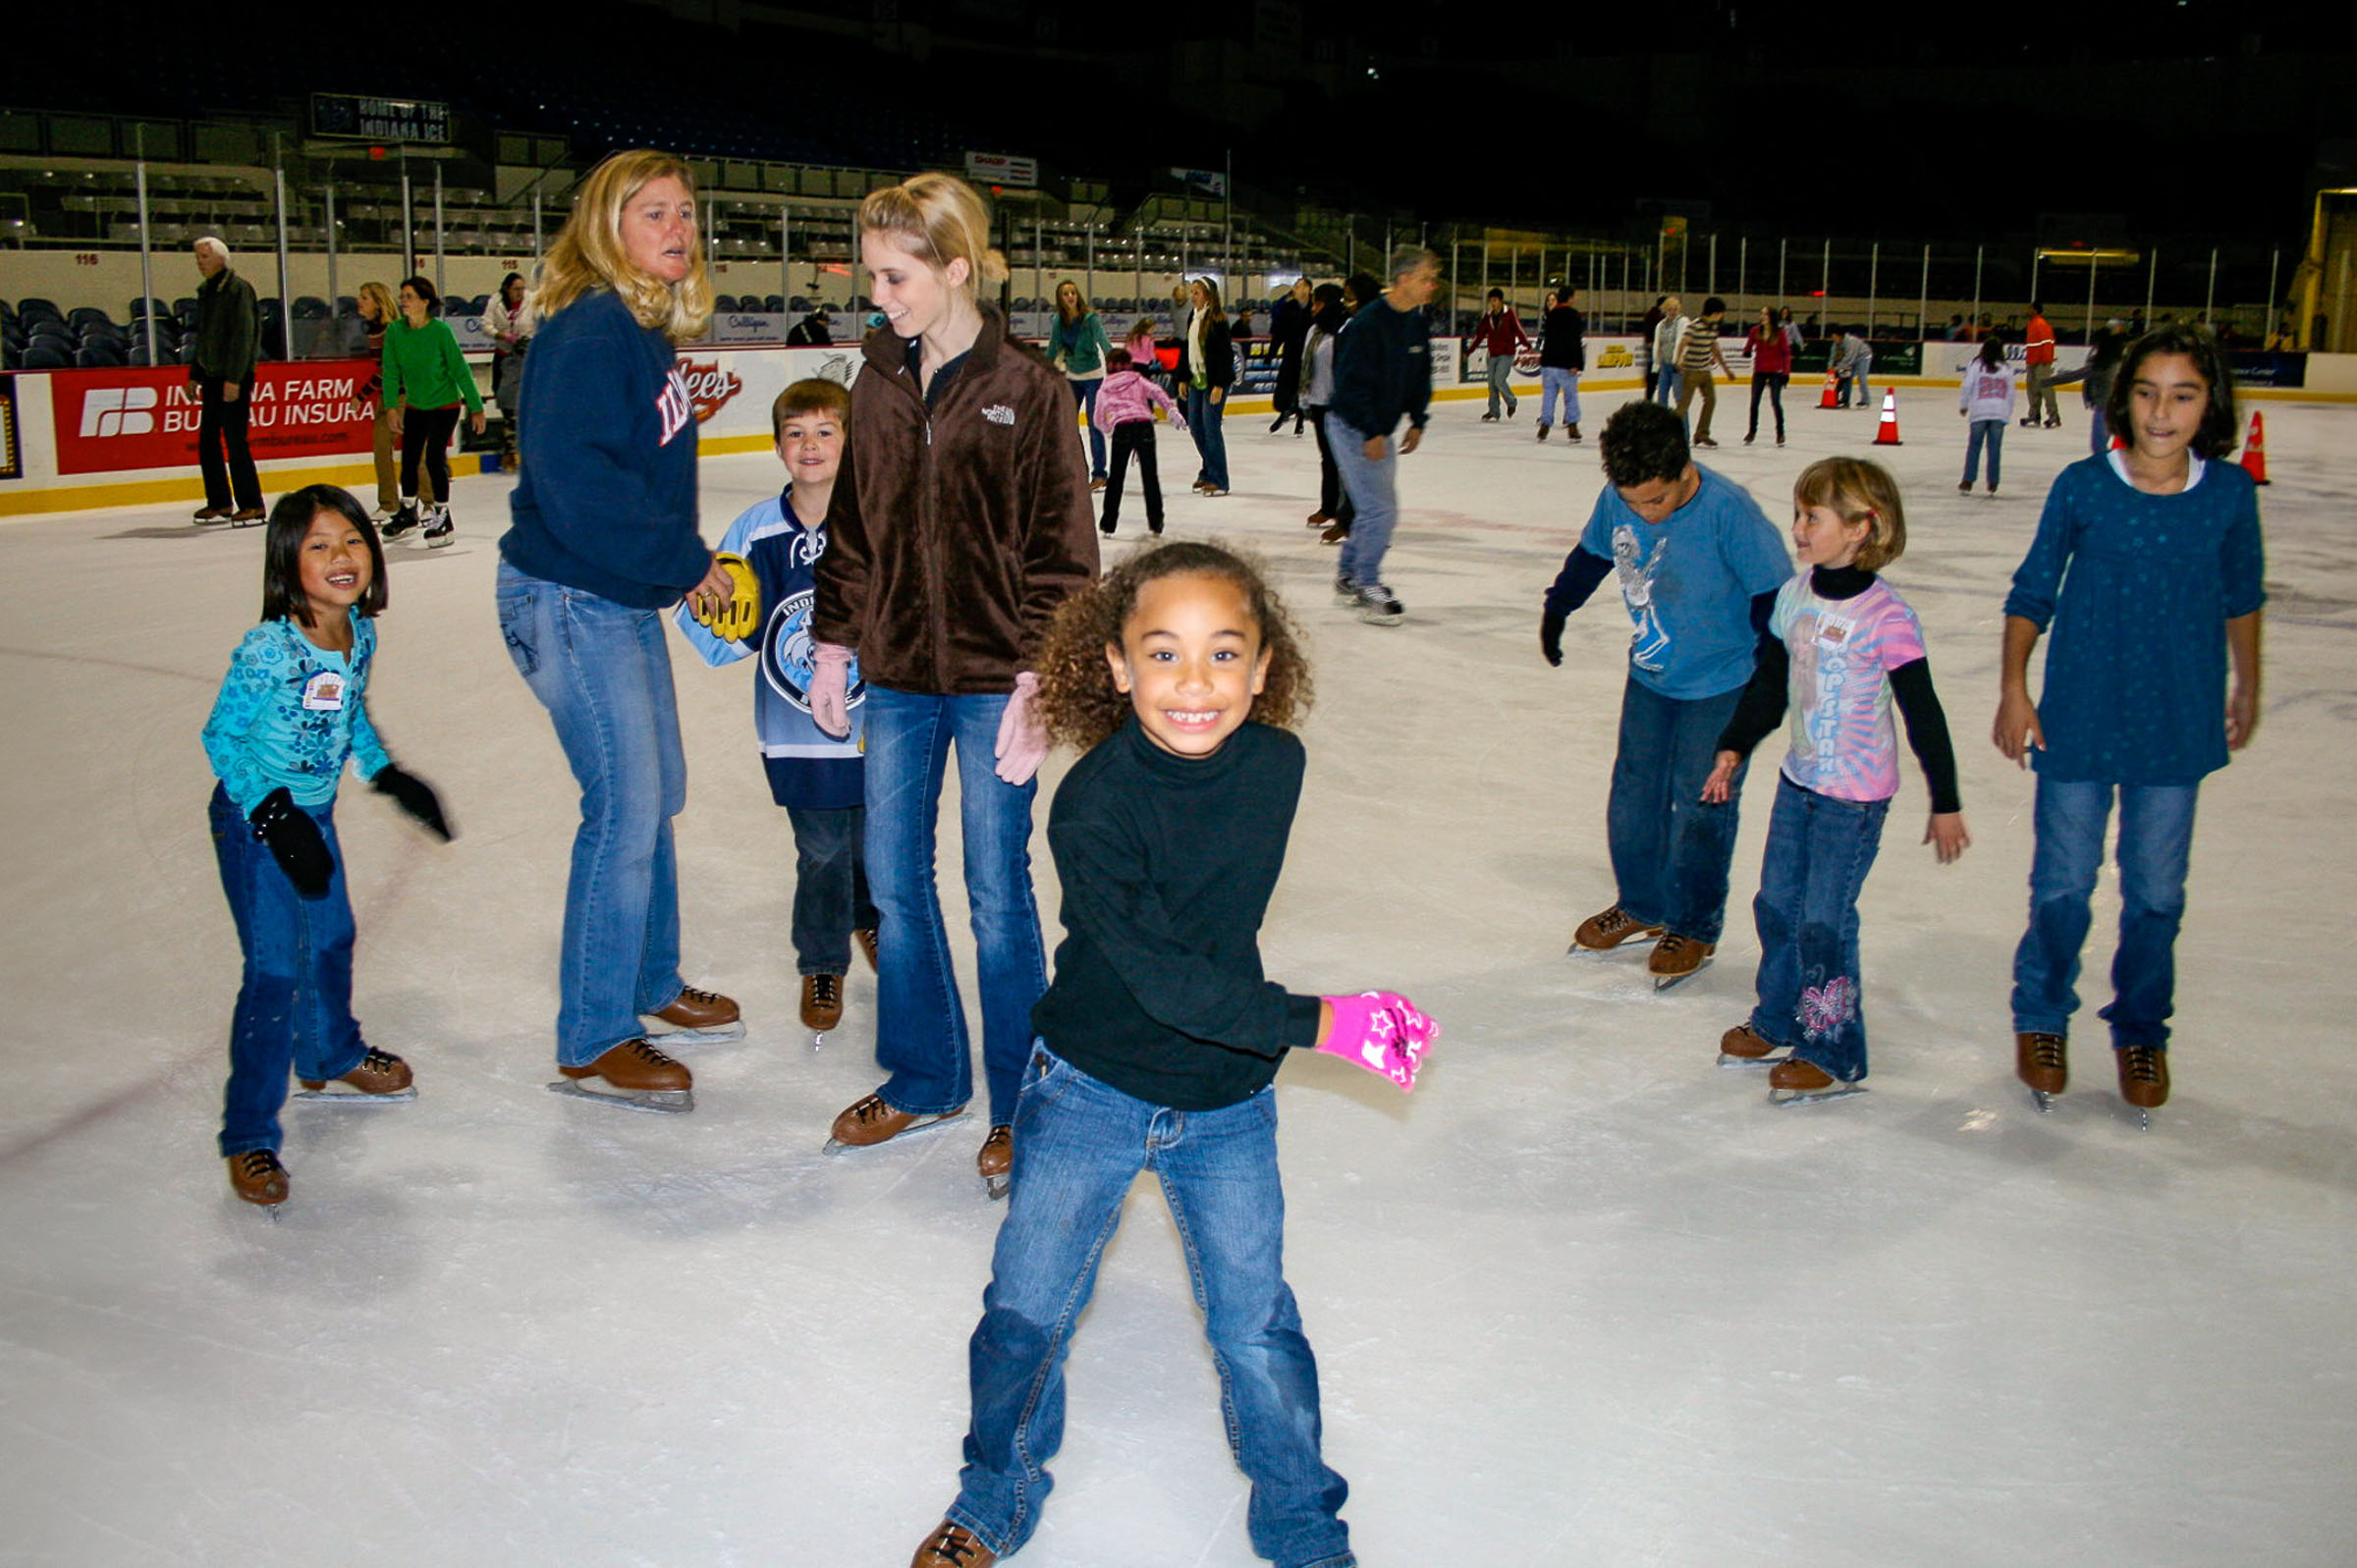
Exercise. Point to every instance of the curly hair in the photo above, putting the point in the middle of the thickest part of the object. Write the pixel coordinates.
(1643, 441)
(1076, 694)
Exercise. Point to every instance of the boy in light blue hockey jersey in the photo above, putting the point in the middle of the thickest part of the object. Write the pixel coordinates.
(816, 777)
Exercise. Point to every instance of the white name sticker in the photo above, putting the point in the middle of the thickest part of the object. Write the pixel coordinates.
(324, 691)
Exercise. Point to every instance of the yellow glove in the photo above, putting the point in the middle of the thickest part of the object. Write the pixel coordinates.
(742, 615)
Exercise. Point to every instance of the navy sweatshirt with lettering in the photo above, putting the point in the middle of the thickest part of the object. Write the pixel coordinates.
(607, 498)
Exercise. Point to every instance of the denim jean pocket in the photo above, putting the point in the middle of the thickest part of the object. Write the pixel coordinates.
(1046, 1077)
(514, 610)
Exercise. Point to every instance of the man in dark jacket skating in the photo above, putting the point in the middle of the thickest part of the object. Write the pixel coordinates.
(1383, 371)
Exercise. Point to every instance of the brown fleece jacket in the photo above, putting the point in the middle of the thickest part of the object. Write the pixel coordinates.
(955, 534)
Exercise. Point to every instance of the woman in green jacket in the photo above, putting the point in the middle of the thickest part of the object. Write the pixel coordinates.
(1078, 346)
(425, 379)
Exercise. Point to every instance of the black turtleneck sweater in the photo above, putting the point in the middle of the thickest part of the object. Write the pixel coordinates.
(1762, 707)
(1168, 864)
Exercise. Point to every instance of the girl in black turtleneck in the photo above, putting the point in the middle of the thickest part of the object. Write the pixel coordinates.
(1846, 646)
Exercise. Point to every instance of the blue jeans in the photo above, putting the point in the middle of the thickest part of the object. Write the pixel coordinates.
(1084, 393)
(603, 673)
(1992, 431)
(1203, 420)
(294, 996)
(1078, 1144)
(1811, 996)
(2099, 431)
(1501, 372)
(830, 887)
(1553, 379)
(1373, 486)
(2156, 841)
(1664, 386)
(1670, 849)
(921, 1037)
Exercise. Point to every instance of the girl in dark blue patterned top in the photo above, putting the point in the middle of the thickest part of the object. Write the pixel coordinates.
(2147, 566)
(291, 713)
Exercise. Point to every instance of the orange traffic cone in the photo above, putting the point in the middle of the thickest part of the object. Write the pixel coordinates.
(1887, 434)
(2254, 451)
(1832, 385)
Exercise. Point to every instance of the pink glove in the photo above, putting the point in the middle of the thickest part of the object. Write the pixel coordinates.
(1382, 1032)
(1022, 738)
(830, 683)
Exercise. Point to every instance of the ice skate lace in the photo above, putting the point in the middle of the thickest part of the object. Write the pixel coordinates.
(645, 1053)
(826, 991)
(380, 1061)
(702, 998)
(2046, 1052)
(956, 1545)
(256, 1163)
(2140, 1064)
(1674, 946)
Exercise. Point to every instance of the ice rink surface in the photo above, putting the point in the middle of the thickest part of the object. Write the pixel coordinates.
(1583, 1298)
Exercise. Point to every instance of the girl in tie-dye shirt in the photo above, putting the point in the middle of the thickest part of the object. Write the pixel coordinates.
(1841, 646)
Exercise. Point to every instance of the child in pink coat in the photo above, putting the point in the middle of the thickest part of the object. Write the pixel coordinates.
(1124, 410)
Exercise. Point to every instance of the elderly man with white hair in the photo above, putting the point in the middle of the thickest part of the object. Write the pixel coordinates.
(228, 339)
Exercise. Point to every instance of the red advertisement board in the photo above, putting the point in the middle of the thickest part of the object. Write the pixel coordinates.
(110, 420)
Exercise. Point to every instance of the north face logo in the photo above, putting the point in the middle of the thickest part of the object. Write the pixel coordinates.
(118, 412)
(998, 414)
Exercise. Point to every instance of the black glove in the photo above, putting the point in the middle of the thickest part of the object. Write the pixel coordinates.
(413, 796)
(1551, 639)
(295, 842)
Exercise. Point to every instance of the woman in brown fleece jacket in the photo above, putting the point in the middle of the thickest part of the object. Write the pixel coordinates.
(960, 520)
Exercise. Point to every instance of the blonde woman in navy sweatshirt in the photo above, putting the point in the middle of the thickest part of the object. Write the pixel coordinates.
(604, 539)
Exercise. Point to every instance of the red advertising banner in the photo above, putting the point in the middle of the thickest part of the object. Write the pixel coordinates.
(110, 420)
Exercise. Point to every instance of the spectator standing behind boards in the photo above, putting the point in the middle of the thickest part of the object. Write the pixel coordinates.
(1771, 350)
(1381, 373)
(427, 378)
(1562, 356)
(1499, 332)
(1697, 350)
(1986, 398)
(376, 311)
(510, 323)
(811, 332)
(1668, 337)
(228, 332)
(2038, 355)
